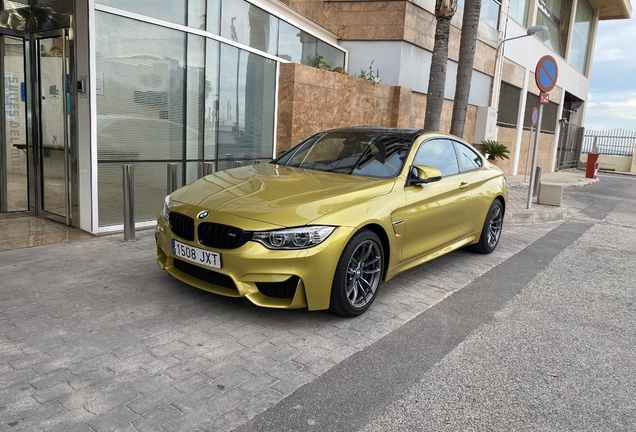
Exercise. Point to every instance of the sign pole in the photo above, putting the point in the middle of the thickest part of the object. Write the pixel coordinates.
(545, 75)
(525, 174)
(533, 123)
(537, 135)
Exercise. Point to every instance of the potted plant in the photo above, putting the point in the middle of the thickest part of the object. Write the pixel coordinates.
(493, 150)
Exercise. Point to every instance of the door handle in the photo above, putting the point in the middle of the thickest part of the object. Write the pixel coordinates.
(463, 185)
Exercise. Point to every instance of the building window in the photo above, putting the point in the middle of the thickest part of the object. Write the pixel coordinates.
(246, 101)
(580, 44)
(519, 11)
(489, 11)
(554, 15)
(168, 10)
(164, 96)
(508, 109)
(550, 114)
(249, 25)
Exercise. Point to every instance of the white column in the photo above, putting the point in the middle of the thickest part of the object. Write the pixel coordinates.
(520, 117)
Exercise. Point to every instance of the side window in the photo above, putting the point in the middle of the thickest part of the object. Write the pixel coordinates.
(468, 159)
(440, 154)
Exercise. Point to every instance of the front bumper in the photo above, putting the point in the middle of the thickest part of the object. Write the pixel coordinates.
(285, 279)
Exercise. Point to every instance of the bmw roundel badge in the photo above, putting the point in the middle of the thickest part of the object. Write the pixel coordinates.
(203, 214)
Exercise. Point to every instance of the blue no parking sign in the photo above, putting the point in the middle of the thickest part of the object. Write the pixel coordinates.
(546, 73)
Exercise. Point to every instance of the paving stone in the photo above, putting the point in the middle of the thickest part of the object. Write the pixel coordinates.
(188, 422)
(320, 366)
(19, 404)
(292, 382)
(225, 422)
(153, 421)
(115, 419)
(260, 402)
(161, 364)
(256, 364)
(30, 418)
(191, 383)
(66, 421)
(234, 378)
(53, 392)
(104, 402)
(258, 383)
(227, 400)
(284, 369)
(197, 398)
(51, 379)
(151, 401)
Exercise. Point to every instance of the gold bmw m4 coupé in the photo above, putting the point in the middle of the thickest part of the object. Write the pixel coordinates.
(323, 224)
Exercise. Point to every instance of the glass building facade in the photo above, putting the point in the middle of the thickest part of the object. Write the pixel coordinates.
(581, 36)
(199, 88)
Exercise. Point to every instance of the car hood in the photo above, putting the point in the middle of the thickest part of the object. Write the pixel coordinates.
(280, 195)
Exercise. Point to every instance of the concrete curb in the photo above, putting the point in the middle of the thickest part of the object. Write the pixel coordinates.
(556, 214)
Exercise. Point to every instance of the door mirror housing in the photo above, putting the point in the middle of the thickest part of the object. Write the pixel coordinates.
(422, 174)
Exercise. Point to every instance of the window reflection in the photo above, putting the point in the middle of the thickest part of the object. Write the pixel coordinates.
(167, 10)
(167, 96)
(440, 154)
(246, 91)
(249, 25)
(579, 47)
(549, 15)
(519, 11)
(489, 11)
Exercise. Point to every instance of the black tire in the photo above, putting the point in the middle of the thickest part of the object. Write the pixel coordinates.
(358, 275)
(491, 231)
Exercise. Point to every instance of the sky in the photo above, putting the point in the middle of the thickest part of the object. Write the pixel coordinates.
(612, 96)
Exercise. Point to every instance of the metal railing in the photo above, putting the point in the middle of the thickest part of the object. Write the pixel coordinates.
(615, 142)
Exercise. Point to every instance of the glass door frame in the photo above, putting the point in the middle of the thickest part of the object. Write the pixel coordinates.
(4, 199)
(37, 115)
(34, 148)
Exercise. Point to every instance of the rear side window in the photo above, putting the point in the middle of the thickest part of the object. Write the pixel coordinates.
(468, 158)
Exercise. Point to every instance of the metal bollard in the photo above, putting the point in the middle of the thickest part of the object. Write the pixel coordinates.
(172, 178)
(537, 182)
(238, 164)
(258, 161)
(208, 168)
(129, 202)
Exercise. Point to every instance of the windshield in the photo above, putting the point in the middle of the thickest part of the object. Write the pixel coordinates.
(370, 154)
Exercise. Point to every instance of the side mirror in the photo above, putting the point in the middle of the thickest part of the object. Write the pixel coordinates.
(422, 174)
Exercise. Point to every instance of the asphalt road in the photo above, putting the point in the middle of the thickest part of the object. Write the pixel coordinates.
(543, 341)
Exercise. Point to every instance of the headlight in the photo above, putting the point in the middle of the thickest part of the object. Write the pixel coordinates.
(164, 211)
(293, 238)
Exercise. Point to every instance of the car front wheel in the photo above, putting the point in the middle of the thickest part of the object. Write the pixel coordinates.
(358, 275)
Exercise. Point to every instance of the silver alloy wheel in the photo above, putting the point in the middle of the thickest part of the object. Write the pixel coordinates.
(495, 225)
(363, 274)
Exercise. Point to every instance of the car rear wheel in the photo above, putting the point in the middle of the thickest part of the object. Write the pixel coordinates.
(358, 275)
(491, 232)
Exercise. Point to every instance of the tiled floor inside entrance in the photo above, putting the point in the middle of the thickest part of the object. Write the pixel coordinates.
(25, 231)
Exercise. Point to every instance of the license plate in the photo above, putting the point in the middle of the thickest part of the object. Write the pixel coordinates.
(196, 255)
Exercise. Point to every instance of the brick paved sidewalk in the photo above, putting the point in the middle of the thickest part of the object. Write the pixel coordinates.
(517, 211)
(94, 337)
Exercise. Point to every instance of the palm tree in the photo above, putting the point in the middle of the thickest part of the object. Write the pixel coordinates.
(470, 23)
(444, 12)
